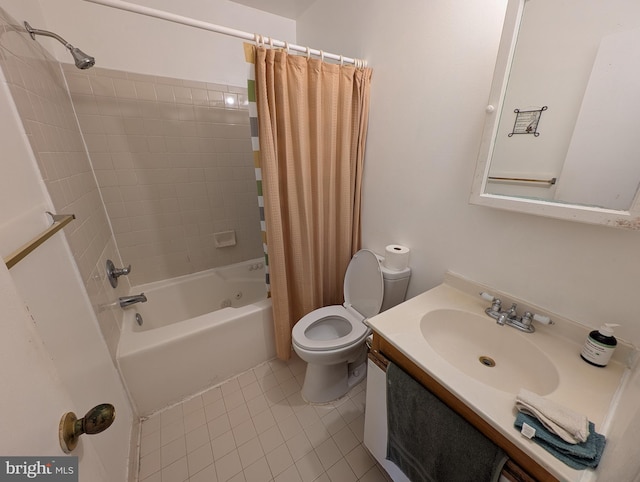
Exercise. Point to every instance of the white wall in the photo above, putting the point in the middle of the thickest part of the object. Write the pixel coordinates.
(433, 62)
(127, 41)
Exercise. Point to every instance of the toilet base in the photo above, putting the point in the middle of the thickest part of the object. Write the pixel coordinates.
(326, 383)
(357, 375)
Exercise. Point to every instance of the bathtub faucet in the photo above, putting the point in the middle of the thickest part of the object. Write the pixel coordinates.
(132, 300)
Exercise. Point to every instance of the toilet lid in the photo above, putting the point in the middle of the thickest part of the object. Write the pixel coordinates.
(363, 284)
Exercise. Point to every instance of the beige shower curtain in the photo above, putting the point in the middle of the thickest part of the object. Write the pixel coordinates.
(312, 125)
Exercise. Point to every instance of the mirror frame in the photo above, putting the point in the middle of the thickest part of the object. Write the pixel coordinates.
(572, 212)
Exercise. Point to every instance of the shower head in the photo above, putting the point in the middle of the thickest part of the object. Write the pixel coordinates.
(82, 60)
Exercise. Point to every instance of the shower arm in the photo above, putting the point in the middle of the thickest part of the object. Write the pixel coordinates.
(82, 60)
(34, 31)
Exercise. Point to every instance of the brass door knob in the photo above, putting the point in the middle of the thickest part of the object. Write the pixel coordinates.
(96, 420)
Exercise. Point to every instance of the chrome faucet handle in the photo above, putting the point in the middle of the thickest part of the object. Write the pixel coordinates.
(113, 273)
(527, 318)
(122, 271)
(496, 305)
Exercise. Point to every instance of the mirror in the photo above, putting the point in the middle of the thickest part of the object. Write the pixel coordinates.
(560, 133)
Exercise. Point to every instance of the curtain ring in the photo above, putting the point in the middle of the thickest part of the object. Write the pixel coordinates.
(322, 55)
(286, 46)
(308, 53)
(341, 60)
(271, 42)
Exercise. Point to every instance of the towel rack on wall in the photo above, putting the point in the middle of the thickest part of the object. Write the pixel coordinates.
(59, 222)
(550, 182)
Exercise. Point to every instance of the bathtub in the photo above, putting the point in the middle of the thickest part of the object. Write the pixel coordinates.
(197, 330)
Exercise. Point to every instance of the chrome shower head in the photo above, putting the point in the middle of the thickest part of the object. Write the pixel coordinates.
(82, 60)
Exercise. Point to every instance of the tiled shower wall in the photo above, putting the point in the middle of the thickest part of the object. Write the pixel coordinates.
(174, 164)
(38, 88)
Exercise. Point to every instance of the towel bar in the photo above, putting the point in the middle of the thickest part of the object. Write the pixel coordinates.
(59, 222)
(551, 181)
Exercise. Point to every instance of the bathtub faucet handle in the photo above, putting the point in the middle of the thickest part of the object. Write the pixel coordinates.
(114, 273)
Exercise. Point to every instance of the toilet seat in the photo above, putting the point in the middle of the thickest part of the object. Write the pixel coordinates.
(336, 314)
(337, 326)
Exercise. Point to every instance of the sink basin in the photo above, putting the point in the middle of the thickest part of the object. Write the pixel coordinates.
(498, 356)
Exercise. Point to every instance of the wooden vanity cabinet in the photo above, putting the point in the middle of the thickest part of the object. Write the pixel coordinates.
(520, 467)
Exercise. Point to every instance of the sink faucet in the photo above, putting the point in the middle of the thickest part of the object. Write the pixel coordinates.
(132, 300)
(511, 318)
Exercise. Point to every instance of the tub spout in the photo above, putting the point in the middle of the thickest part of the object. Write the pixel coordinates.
(132, 300)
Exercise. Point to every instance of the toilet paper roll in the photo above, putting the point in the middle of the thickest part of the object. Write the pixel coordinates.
(396, 257)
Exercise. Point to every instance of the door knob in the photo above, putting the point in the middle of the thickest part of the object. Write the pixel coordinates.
(96, 420)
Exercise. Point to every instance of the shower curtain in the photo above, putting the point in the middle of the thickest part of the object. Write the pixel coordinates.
(311, 121)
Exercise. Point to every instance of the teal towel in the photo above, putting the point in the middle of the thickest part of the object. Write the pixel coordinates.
(578, 456)
(429, 442)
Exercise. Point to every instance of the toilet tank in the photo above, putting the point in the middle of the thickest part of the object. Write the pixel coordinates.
(395, 286)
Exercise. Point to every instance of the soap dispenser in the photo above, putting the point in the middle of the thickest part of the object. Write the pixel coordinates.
(599, 346)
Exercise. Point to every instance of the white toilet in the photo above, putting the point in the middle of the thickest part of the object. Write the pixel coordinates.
(332, 339)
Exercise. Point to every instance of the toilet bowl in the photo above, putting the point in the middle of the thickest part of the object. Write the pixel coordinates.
(332, 339)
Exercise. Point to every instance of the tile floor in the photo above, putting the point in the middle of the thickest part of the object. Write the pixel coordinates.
(257, 428)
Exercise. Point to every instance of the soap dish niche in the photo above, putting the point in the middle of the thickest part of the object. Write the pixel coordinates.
(224, 239)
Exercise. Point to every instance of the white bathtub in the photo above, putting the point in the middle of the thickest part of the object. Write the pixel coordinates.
(191, 338)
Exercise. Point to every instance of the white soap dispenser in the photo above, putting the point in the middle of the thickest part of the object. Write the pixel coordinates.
(599, 346)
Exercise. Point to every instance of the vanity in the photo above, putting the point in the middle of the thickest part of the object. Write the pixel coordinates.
(476, 367)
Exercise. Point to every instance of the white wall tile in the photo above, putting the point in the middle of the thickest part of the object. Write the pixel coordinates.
(153, 156)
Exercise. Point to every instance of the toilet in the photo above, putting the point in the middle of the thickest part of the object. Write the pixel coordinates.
(332, 339)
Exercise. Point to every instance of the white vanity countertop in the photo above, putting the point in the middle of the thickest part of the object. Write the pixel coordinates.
(582, 387)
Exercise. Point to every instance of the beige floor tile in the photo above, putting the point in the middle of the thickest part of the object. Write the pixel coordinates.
(257, 428)
(279, 460)
(258, 471)
(200, 458)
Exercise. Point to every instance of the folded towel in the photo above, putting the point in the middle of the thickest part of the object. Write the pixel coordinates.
(578, 456)
(572, 427)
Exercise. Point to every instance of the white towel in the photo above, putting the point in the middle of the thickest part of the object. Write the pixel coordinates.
(572, 427)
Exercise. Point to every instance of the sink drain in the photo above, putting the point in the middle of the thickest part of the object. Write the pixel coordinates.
(487, 361)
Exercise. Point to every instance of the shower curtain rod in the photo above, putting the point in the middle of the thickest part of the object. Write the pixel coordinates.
(191, 22)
